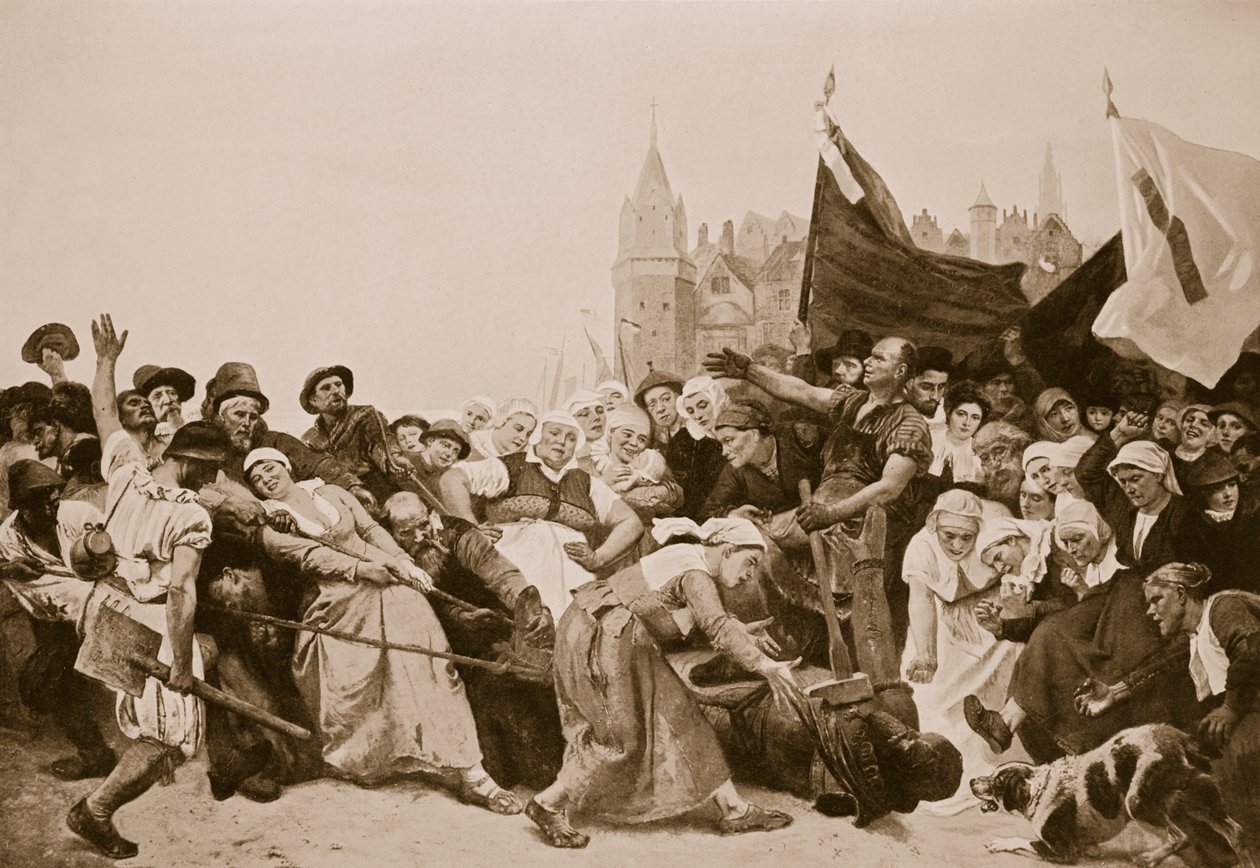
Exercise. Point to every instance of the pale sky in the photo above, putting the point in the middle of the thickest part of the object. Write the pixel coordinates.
(429, 192)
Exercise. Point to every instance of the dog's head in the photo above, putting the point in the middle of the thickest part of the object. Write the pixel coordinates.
(1007, 788)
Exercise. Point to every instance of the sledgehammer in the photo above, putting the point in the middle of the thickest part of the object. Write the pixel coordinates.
(122, 653)
(845, 687)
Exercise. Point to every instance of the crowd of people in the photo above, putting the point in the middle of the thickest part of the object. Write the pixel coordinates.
(488, 600)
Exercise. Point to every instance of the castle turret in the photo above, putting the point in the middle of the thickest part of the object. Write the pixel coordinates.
(984, 227)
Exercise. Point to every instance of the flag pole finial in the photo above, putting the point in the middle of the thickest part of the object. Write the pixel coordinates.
(654, 106)
(1112, 112)
(829, 86)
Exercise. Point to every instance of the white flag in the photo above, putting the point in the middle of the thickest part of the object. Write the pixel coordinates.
(1190, 217)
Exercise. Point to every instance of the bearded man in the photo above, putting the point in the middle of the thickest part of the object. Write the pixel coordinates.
(77, 452)
(237, 404)
(1000, 447)
(166, 390)
(357, 435)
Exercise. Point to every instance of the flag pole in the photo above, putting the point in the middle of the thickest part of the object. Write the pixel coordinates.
(1112, 112)
(811, 244)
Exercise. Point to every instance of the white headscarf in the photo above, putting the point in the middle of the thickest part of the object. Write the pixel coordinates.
(1070, 451)
(555, 417)
(1148, 456)
(715, 531)
(1041, 449)
(512, 407)
(710, 388)
(615, 385)
(266, 453)
(581, 399)
(483, 401)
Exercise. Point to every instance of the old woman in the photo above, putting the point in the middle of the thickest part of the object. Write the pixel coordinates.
(379, 713)
(555, 521)
(639, 748)
(638, 474)
(948, 655)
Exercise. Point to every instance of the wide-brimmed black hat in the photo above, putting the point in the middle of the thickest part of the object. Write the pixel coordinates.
(1211, 469)
(234, 379)
(315, 377)
(149, 377)
(654, 379)
(54, 336)
(852, 343)
(450, 430)
(26, 477)
(200, 441)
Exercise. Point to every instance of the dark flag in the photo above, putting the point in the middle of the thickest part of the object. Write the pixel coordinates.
(1058, 332)
(863, 272)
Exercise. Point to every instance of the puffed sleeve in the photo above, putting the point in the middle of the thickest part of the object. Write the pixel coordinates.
(726, 632)
(488, 478)
(604, 499)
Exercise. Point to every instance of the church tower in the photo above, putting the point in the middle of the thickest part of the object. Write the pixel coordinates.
(984, 228)
(653, 277)
(1050, 190)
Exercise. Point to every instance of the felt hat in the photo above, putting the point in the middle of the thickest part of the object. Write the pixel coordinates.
(200, 441)
(745, 417)
(149, 377)
(1233, 408)
(317, 376)
(1212, 468)
(53, 336)
(234, 379)
(654, 379)
(448, 429)
(28, 476)
(852, 343)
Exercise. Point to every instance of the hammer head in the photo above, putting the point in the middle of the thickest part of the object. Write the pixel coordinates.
(842, 691)
(112, 646)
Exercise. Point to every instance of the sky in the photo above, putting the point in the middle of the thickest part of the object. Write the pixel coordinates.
(429, 193)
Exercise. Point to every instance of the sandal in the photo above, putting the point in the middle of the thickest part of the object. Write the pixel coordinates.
(987, 724)
(498, 800)
(555, 827)
(754, 820)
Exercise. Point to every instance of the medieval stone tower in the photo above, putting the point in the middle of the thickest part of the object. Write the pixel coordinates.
(984, 228)
(1050, 190)
(653, 277)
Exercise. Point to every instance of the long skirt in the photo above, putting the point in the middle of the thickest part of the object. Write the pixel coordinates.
(1104, 636)
(381, 713)
(637, 746)
(969, 661)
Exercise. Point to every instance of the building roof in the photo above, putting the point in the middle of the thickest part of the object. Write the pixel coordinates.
(745, 270)
(786, 262)
(983, 200)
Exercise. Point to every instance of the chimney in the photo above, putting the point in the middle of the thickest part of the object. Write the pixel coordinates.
(702, 237)
(727, 244)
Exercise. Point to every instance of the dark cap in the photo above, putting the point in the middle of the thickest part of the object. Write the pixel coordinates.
(654, 379)
(200, 441)
(232, 380)
(54, 336)
(1233, 408)
(317, 376)
(1211, 469)
(149, 377)
(448, 429)
(26, 477)
(745, 417)
(852, 343)
(935, 359)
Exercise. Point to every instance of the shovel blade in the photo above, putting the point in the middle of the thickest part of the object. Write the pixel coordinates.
(112, 643)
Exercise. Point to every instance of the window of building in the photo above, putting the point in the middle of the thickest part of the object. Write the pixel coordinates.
(653, 332)
(642, 305)
(721, 285)
(665, 306)
(785, 298)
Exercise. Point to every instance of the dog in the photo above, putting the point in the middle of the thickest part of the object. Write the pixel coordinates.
(1154, 775)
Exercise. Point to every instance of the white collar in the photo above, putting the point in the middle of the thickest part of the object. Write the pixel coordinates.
(531, 457)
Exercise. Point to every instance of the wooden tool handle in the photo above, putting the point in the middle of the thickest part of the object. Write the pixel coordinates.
(201, 690)
(837, 651)
(453, 600)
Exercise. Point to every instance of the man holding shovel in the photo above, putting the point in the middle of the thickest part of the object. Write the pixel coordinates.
(159, 532)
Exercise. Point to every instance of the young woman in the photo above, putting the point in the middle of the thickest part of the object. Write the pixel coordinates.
(1164, 427)
(965, 411)
(1223, 530)
(1197, 435)
(1035, 503)
(1232, 421)
(948, 655)
(379, 713)
(509, 430)
(694, 454)
(1057, 416)
(639, 747)
(1037, 463)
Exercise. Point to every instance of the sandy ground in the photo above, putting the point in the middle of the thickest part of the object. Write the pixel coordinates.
(330, 824)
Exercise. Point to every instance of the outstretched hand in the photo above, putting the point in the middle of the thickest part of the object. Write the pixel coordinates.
(728, 364)
(109, 344)
(1093, 698)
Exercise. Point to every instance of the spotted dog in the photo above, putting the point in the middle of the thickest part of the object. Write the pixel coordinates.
(1152, 774)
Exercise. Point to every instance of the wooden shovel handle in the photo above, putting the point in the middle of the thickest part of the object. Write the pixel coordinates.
(201, 690)
(838, 651)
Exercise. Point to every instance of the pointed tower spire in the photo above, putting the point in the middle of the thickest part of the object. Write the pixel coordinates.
(654, 122)
(1050, 189)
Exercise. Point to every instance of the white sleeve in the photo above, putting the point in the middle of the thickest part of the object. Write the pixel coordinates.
(488, 478)
(120, 451)
(604, 499)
